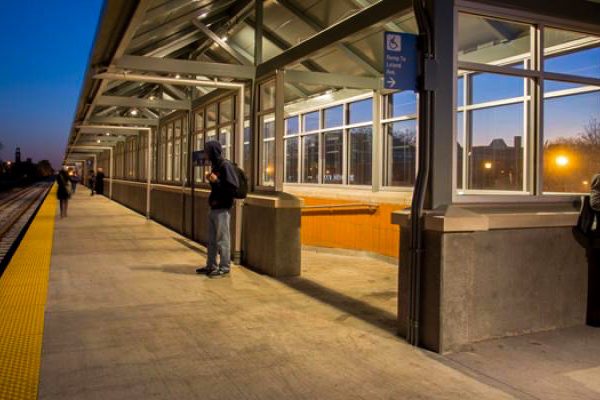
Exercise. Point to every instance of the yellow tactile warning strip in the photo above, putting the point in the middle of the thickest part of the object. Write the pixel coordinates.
(23, 289)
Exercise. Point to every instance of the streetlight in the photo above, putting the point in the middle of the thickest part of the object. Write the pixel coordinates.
(561, 161)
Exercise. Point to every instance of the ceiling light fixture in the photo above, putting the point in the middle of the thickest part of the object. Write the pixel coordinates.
(203, 15)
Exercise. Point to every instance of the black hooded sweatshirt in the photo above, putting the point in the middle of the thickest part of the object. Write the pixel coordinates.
(223, 189)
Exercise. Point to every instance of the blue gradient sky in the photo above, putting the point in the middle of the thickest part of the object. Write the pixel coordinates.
(45, 47)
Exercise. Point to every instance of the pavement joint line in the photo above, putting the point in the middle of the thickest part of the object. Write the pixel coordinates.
(23, 292)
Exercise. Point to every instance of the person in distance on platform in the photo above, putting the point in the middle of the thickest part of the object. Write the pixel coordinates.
(92, 182)
(224, 182)
(99, 183)
(64, 191)
(74, 179)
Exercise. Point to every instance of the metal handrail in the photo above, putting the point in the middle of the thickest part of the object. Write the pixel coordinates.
(351, 205)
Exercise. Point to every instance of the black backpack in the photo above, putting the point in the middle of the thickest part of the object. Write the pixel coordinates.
(586, 217)
(242, 190)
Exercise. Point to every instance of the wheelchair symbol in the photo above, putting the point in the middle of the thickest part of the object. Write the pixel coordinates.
(394, 43)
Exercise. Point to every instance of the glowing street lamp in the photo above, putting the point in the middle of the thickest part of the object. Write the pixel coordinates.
(562, 161)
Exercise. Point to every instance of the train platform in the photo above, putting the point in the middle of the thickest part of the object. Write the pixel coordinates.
(123, 315)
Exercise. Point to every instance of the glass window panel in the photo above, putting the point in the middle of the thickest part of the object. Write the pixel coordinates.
(496, 151)
(310, 121)
(211, 115)
(333, 149)
(292, 125)
(247, 102)
(226, 110)
(361, 142)
(310, 159)
(400, 104)
(178, 128)
(571, 142)
(169, 160)
(211, 134)
(247, 147)
(267, 95)
(565, 52)
(177, 160)
(333, 117)
(459, 149)
(291, 160)
(487, 40)
(460, 91)
(360, 111)
(553, 86)
(268, 126)
(199, 145)
(267, 134)
(584, 63)
(225, 140)
(184, 150)
(490, 87)
(401, 153)
(268, 163)
(199, 120)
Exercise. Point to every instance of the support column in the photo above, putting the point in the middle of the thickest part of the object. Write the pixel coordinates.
(442, 78)
(148, 173)
(239, 160)
(279, 129)
(377, 157)
(110, 174)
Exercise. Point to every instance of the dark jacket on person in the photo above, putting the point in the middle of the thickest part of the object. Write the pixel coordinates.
(99, 183)
(223, 189)
(595, 193)
(63, 182)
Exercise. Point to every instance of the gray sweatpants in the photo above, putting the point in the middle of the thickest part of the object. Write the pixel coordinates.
(218, 240)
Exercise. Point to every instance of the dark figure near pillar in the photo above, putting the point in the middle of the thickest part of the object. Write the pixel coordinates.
(99, 184)
(92, 182)
(593, 255)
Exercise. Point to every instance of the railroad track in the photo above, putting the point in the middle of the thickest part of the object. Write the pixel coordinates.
(16, 209)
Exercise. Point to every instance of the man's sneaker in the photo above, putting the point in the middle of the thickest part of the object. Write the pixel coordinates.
(217, 274)
(204, 270)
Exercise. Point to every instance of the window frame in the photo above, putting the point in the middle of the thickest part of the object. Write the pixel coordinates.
(533, 174)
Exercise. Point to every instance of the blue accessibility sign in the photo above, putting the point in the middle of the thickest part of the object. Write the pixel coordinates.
(400, 61)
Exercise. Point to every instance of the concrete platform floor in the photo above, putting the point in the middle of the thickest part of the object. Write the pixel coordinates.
(127, 318)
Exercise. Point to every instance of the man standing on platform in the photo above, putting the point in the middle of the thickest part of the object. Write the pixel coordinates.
(224, 182)
(99, 184)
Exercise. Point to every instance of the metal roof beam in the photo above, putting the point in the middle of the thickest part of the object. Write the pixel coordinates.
(136, 102)
(282, 44)
(174, 25)
(168, 65)
(350, 51)
(123, 121)
(334, 80)
(222, 43)
(364, 19)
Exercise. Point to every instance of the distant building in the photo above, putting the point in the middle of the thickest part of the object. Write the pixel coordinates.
(18, 155)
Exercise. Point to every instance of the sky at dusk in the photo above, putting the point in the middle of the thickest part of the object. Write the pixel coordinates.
(45, 47)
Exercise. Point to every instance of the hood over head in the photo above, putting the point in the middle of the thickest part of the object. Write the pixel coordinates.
(214, 152)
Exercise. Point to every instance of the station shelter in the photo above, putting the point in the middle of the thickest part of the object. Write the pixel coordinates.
(492, 151)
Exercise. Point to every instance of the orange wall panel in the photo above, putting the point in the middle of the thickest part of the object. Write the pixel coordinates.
(356, 229)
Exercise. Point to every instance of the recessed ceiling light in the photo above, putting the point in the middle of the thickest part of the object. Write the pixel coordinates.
(98, 141)
(224, 38)
(107, 133)
(177, 76)
(203, 15)
(151, 98)
(133, 112)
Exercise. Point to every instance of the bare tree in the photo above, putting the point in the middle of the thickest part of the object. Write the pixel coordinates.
(591, 133)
